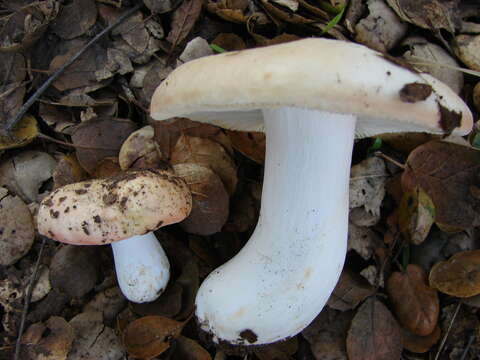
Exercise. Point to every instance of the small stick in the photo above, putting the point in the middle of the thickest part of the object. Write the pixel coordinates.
(388, 158)
(28, 297)
(12, 122)
(444, 340)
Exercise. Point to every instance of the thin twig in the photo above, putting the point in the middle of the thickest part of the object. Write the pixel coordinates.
(388, 158)
(23, 110)
(28, 297)
(471, 338)
(444, 340)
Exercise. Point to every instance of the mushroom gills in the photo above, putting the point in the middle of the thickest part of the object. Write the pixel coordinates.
(281, 279)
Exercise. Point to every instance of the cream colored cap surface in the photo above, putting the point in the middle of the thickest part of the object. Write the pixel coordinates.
(232, 88)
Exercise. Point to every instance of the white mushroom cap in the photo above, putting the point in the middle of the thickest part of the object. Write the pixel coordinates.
(230, 89)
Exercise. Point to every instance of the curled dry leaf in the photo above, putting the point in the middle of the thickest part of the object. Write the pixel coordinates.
(150, 336)
(190, 149)
(420, 344)
(210, 199)
(250, 144)
(188, 349)
(168, 132)
(23, 134)
(414, 302)
(25, 173)
(16, 228)
(458, 276)
(350, 291)
(466, 47)
(104, 136)
(447, 173)
(416, 215)
(74, 270)
(52, 345)
(374, 333)
(139, 150)
(234, 11)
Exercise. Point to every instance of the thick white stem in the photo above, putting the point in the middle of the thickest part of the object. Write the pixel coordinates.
(142, 267)
(284, 275)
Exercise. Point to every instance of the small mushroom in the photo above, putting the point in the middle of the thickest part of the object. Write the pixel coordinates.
(311, 96)
(127, 207)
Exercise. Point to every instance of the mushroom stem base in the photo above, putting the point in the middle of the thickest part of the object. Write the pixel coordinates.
(142, 267)
(281, 279)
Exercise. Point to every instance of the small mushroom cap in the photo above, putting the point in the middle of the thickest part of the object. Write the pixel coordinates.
(102, 211)
(230, 89)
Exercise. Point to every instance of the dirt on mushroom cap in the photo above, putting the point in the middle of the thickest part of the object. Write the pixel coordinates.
(106, 210)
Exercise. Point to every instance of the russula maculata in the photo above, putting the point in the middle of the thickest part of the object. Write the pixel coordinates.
(311, 97)
(126, 207)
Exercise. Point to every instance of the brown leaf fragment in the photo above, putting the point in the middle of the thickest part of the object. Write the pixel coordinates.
(229, 42)
(210, 200)
(327, 333)
(68, 171)
(250, 144)
(459, 276)
(230, 10)
(104, 136)
(428, 14)
(350, 291)
(415, 92)
(420, 344)
(416, 215)
(16, 228)
(74, 269)
(190, 281)
(82, 72)
(282, 350)
(446, 172)
(183, 20)
(150, 336)
(75, 19)
(139, 150)
(205, 152)
(12, 91)
(374, 333)
(188, 349)
(169, 304)
(56, 343)
(414, 302)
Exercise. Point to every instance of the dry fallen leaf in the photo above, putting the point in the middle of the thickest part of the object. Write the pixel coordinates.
(183, 20)
(448, 173)
(25, 173)
(416, 215)
(374, 333)
(16, 228)
(327, 333)
(188, 349)
(350, 291)
(414, 302)
(150, 336)
(190, 149)
(75, 19)
(68, 171)
(282, 350)
(458, 276)
(168, 305)
(139, 150)
(22, 134)
(104, 136)
(210, 201)
(190, 281)
(420, 344)
(54, 344)
(250, 144)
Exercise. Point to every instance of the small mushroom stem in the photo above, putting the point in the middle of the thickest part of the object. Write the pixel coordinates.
(142, 267)
(282, 278)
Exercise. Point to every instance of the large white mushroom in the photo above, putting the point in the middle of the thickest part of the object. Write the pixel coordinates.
(311, 97)
(126, 207)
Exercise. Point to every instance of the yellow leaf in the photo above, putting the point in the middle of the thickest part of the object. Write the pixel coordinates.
(23, 134)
